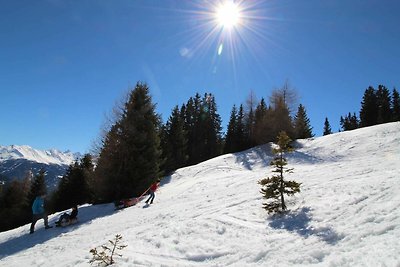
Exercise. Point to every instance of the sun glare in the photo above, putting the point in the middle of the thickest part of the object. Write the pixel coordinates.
(231, 29)
(228, 15)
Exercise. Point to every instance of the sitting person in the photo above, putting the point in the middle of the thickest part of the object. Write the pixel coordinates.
(68, 217)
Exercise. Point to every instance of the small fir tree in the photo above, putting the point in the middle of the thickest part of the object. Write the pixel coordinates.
(327, 127)
(275, 187)
(106, 256)
(302, 125)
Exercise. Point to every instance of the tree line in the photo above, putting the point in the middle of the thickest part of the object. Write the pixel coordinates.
(377, 106)
(137, 147)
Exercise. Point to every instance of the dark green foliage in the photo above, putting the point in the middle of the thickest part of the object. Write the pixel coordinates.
(38, 186)
(349, 122)
(327, 127)
(230, 138)
(383, 102)
(275, 187)
(210, 124)
(203, 128)
(73, 188)
(131, 156)
(378, 106)
(14, 209)
(174, 142)
(236, 138)
(240, 130)
(302, 125)
(369, 108)
(107, 164)
(395, 105)
(249, 128)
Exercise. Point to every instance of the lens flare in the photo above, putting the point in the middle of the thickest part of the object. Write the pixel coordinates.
(228, 14)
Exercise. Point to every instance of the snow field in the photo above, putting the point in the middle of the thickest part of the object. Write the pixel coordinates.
(211, 214)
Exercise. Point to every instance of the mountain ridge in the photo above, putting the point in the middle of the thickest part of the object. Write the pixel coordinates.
(19, 161)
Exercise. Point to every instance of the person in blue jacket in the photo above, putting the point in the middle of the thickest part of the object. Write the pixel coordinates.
(39, 213)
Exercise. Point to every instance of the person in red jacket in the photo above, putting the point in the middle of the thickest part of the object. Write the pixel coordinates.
(153, 189)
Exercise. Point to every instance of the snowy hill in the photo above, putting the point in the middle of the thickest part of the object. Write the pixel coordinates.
(16, 161)
(51, 156)
(211, 214)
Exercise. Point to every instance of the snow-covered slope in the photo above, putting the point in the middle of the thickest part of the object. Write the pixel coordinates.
(211, 214)
(17, 161)
(51, 156)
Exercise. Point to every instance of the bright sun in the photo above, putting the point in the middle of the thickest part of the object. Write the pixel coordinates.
(228, 15)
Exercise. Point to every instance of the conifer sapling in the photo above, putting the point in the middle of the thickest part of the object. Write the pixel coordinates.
(275, 187)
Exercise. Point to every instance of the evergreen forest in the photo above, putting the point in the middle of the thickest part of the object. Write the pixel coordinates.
(136, 147)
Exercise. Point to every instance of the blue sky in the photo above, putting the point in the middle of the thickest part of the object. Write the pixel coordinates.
(64, 64)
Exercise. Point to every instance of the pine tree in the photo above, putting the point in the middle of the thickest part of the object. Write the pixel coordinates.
(302, 125)
(275, 187)
(140, 144)
(327, 127)
(263, 124)
(251, 105)
(240, 131)
(230, 138)
(130, 159)
(212, 142)
(194, 132)
(369, 108)
(203, 127)
(395, 105)
(14, 211)
(349, 122)
(108, 161)
(249, 128)
(175, 144)
(38, 187)
(383, 102)
(74, 187)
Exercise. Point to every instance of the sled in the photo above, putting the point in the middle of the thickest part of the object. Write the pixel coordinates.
(125, 203)
(128, 202)
(65, 223)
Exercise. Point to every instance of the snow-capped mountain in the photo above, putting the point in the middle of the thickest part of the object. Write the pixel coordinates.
(52, 156)
(210, 214)
(17, 161)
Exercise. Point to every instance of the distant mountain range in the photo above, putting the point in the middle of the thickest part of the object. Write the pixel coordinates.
(16, 162)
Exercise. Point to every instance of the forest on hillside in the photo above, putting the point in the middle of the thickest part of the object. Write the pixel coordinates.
(136, 147)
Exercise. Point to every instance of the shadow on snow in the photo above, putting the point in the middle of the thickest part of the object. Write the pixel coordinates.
(298, 222)
(257, 155)
(25, 240)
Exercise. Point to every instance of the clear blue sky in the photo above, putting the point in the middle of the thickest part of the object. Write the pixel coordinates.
(64, 64)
